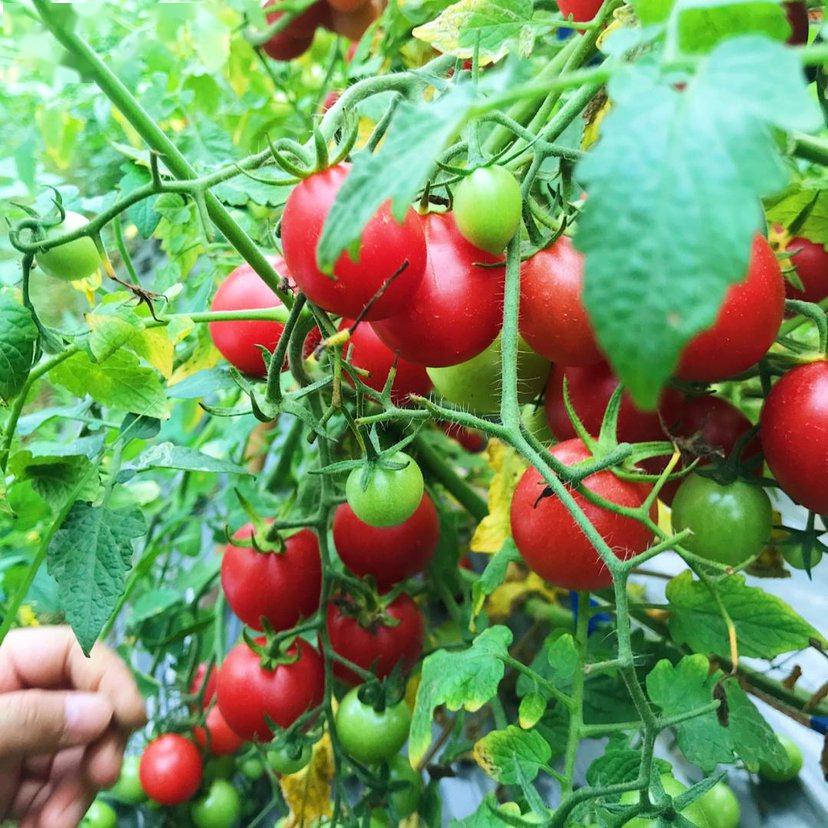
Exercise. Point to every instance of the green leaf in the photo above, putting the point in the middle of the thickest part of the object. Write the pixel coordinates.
(118, 382)
(496, 23)
(56, 478)
(89, 557)
(493, 575)
(679, 688)
(702, 24)
(562, 655)
(652, 11)
(674, 187)
(169, 456)
(154, 603)
(18, 334)
(618, 765)
(765, 625)
(397, 171)
(512, 755)
(466, 679)
(788, 206)
(532, 707)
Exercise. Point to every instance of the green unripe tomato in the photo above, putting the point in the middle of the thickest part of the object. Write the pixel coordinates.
(487, 207)
(128, 787)
(285, 761)
(385, 497)
(476, 384)
(721, 806)
(693, 812)
(793, 556)
(370, 736)
(252, 769)
(74, 260)
(792, 766)
(731, 523)
(220, 808)
(100, 815)
(405, 800)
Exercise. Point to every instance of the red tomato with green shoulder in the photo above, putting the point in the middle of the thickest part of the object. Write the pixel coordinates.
(216, 735)
(387, 249)
(171, 769)
(811, 262)
(794, 429)
(369, 352)
(746, 325)
(458, 309)
(280, 586)
(249, 694)
(551, 542)
(553, 319)
(389, 553)
(370, 642)
(240, 340)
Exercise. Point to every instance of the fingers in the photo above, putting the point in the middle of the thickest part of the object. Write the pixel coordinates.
(102, 763)
(46, 721)
(117, 684)
(64, 807)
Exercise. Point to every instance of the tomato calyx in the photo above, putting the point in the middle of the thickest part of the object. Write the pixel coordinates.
(276, 649)
(383, 694)
(367, 607)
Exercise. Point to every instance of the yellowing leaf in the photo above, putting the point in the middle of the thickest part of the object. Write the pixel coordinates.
(500, 602)
(595, 113)
(493, 530)
(308, 792)
(205, 355)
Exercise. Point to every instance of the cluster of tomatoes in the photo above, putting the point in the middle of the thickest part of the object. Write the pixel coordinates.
(349, 18)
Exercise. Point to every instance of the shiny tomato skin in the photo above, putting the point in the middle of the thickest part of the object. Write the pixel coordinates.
(487, 207)
(238, 340)
(550, 541)
(171, 769)
(369, 352)
(553, 319)
(811, 262)
(581, 10)
(216, 735)
(385, 247)
(746, 325)
(457, 310)
(377, 648)
(248, 694)
(389, 553)
(794, 429)
(198, 681)
(368, 735)
(590, 388)
(282, 587)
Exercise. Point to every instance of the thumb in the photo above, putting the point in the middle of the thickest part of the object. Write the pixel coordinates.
(44, 721)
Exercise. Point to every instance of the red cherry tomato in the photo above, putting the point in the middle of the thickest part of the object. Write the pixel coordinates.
(386, 246)
(282, 587)
(580, 10)
(376, 647)
(590, 388)
(746, 326)
(216, 735)
(239, 340)
(797, 13)
(551, 542)
(389, 553)
(297, 36)
(471, 439)
(285, 46)
(354, 23)
(811, 262)
(198, 681)
(458, 309)
(171, 769)
(553, 319)
(248, 694)
(370, 353)
(347, 5)
(794, 429)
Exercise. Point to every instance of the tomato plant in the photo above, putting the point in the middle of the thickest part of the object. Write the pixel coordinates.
(389, 553)
(206, 691)
(128, 787)
(487, 205)
(694, 812)
(171, 769)
(370, 734)
(580, 10)
(794, 430)
(279, 586)
(385, 493)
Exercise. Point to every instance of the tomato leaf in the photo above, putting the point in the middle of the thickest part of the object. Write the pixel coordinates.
(688, 684)
(18, 334)
(765, 625)
(617, 766)
(89, 557)
(790, 205)
(493, 575)
(701, 24)
(169, 456)
(674, 186)
(466, 679)
(510, 755)
(55, 478)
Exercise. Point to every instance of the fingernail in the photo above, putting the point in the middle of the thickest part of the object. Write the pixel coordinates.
(87, 715)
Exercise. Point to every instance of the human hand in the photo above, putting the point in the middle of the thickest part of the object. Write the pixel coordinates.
(64, 722)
